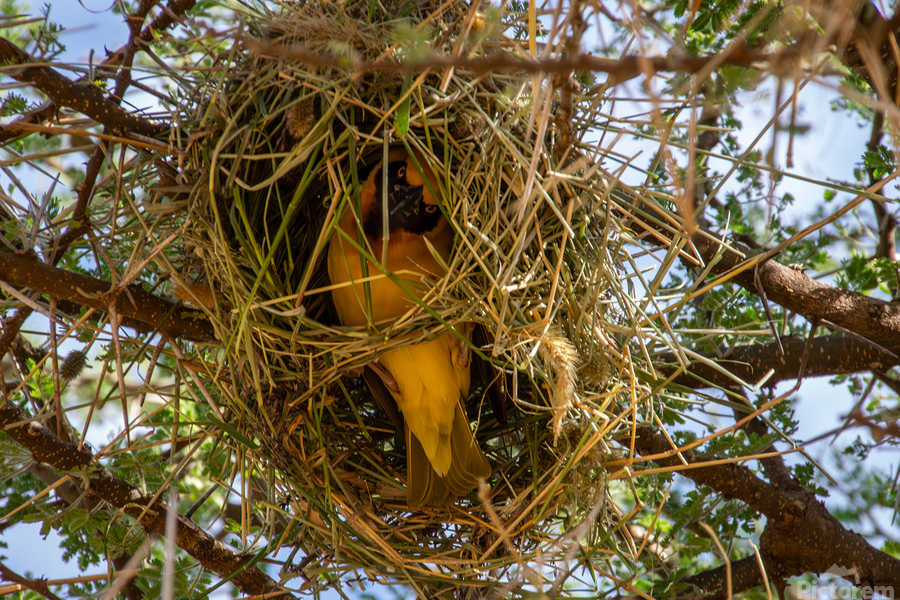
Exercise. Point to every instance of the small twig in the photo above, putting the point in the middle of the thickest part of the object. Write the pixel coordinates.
(120, 375)
(761, 292)
(38, 586)
(57, 392)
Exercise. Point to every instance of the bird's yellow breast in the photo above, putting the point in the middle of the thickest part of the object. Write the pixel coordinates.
(388, 300)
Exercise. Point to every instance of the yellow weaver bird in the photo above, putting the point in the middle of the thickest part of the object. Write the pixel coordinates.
(428, 382)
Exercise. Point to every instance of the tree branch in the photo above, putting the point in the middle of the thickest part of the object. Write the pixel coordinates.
(619, 71)
(885, 221)
(871, 318)
(800, 536)
(86, 98)
(174, 10)
(70, 493)
(103, 485)
(829, 355)
(731, 479)
(20, 125)
(122, 57)
(38, 586)
(143, 311)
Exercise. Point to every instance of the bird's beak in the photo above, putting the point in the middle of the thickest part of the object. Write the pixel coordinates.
(407, 199)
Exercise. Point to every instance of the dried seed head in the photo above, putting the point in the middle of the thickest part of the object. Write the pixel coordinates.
(479, 23)
(559, 352)
(300, 119)
(73, 365)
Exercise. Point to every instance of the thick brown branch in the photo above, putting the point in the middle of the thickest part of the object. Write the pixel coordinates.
(745, 575)
(103, 485)
(731, 479)
(774, 468)
(619, 71)
(86, 98)
(801, 536)
(871, 318)
(124, 57)
(829, 355)
(141, 310)
(805, 539)
(70, 492)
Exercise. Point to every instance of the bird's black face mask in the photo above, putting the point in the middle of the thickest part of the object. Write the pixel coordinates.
(404, 200)
(407, 209)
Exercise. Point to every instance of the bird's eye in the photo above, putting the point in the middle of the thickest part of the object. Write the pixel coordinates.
(430, 208)
(401, 172)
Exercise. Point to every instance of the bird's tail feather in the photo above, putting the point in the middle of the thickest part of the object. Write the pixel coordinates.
(425, 487)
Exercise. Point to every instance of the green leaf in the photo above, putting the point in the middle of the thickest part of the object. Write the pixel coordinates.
(403, 110)
(234, 433)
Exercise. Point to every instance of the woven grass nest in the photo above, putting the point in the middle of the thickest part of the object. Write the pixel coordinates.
(271, 167)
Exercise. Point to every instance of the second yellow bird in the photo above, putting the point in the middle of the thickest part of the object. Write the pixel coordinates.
(429, 382)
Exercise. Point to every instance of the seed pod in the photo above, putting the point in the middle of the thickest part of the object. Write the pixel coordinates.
(73, 365)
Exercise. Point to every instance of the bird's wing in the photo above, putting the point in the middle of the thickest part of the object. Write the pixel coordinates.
(383, 397)
(497, 383)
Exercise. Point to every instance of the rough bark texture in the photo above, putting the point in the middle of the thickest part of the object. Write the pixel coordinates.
(38, 586)
(871, 318)
(142, 311)
(70, 492)
(828, 355)
(86, 98)
(800, 535)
